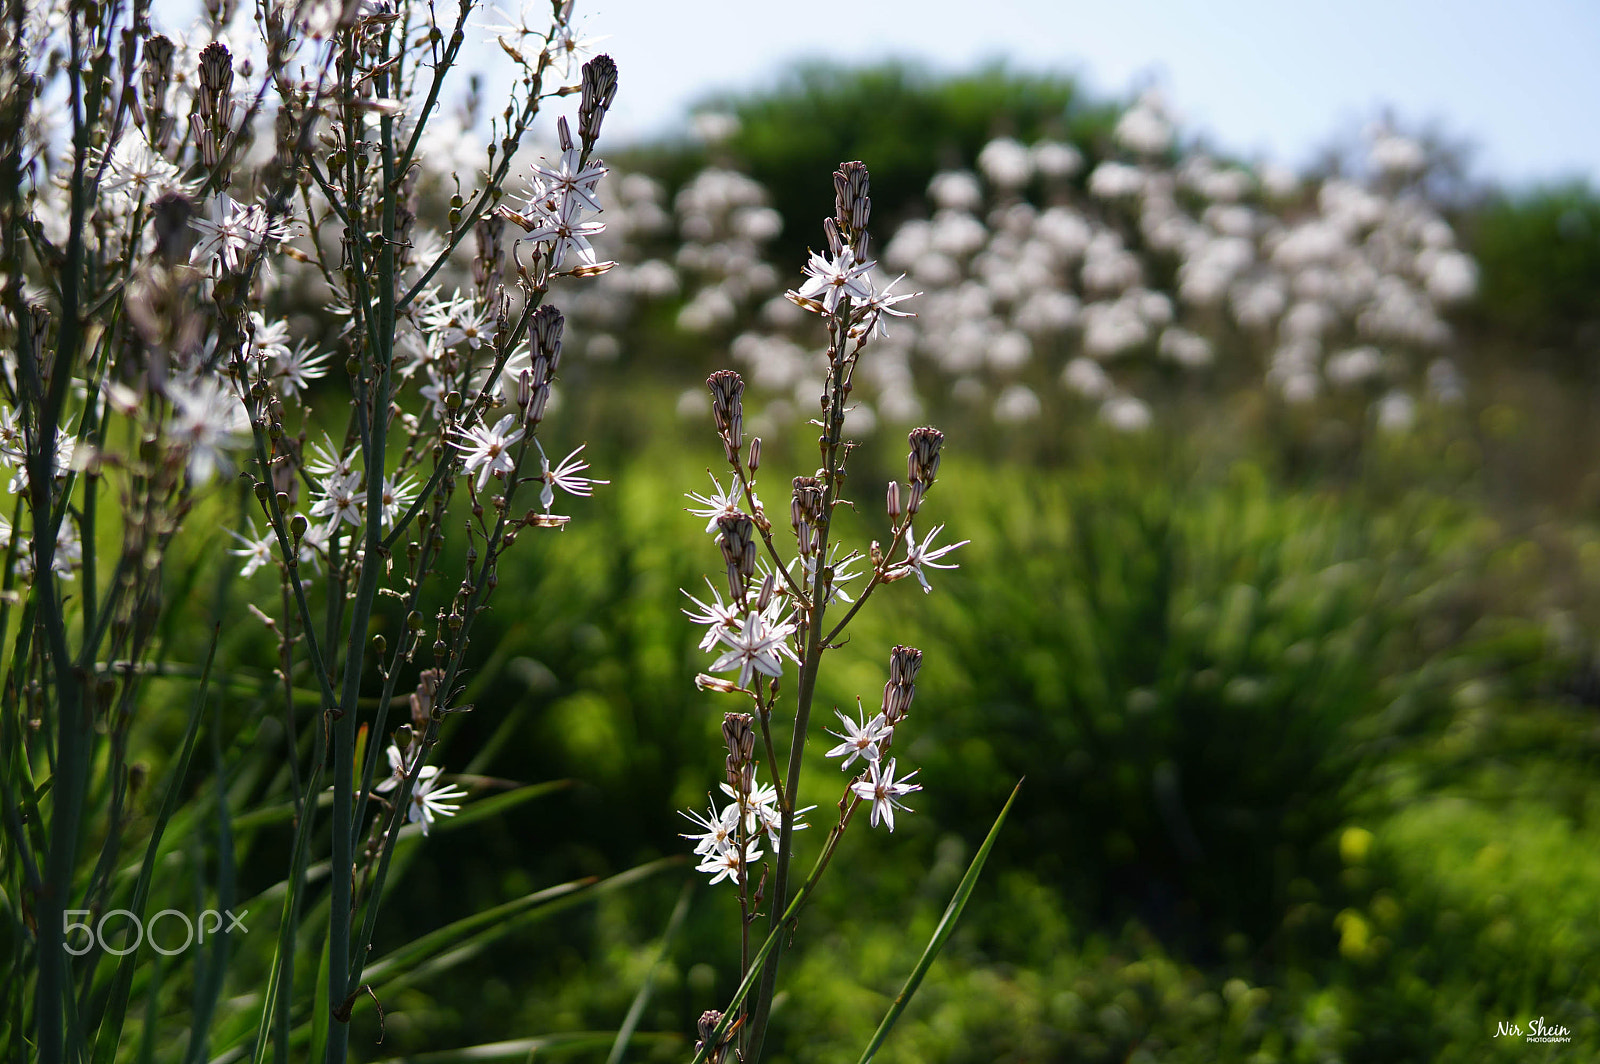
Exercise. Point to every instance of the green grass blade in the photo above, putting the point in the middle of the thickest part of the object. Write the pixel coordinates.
(321, 1008)
(209, 988)
(523, 1048)
(941, 934)
(463, 939)
(105, 1049)
(636, 1010)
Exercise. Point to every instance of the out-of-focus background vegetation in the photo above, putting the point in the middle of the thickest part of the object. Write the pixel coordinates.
(1308, 705)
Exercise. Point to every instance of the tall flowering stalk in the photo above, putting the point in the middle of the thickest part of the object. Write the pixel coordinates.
(789, 602)
(151, 244)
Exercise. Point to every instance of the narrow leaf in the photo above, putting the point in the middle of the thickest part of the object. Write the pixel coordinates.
(105, 1049)
(636, 1010)
(941, 934)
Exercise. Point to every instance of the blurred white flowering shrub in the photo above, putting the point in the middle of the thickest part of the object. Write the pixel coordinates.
(1050, 281)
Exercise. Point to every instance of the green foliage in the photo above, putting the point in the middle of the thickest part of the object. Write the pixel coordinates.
(1540, 256)
(908, 121)
(1216, 683)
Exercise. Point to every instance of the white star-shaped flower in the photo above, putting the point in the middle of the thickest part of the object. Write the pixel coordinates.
(487, 450)
(861, 738)
(756, 647)
(884, 791)
(922, 554)
(830, 280)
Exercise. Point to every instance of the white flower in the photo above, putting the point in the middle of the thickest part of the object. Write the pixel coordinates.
(136, 172)
(566, 231)
(326, 461)
(486, 449)
(720, 503)
(569, 179)
(566, 477)
(235, 230)
(428, 800)
(726, 865)
(923, 554)
(435, 392)
(255, 552)
(830, 280)
(458, 319)
(884, 791)
(762, 812)
(880, 303)
(566, 49)
(295, 368)
(209, 419)
(718, 615)
(861, 738)
(721, 830)
(396, 497)
(757, 647)
(340, 501)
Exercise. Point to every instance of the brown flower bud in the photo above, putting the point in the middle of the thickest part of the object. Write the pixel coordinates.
(214, 97)
(805, 511)
(852, 206)
(424, 697)
(599, 89)
(922, 463)
(486, 263)
(893, 502)
(547, 326)
(739, 736)
(754, 462)
(738, 544)
(727, 406)
(901, 689)
(154, 79)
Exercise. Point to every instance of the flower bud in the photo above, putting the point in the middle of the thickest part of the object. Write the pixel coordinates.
(727, 406)
(738, 544)
(893, 502)
(755, 454)
(707, 1027)
(599, 89)
(901, 689)
(851, 204)
(740, 739)
(546, 328)
(524, 390)
(922, 463)
(805, 511)
(154, 80)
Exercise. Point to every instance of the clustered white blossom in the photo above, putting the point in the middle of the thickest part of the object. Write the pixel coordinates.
(1051, 280)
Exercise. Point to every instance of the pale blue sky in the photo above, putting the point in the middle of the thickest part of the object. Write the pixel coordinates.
(1260, 78)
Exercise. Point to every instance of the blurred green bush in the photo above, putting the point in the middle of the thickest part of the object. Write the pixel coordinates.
(1304, 778)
